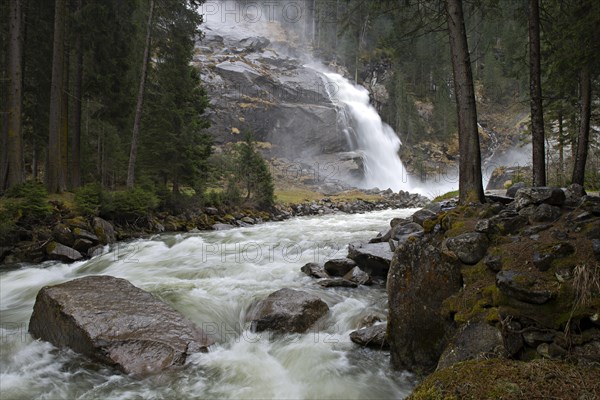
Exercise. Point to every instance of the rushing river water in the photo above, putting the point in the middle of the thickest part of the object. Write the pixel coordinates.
(213, 278)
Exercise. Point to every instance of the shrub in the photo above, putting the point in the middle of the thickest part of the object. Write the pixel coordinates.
(29, 203)
(129, 205)
(89, 199)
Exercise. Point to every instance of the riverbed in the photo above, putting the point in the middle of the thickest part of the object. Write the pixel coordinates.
(213, 278)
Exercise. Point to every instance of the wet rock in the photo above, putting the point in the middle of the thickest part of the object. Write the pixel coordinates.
(539, 195)
(473, 341)
(512, 191)
(211, 211)
(60, 252)
(401, 231)
(314, 270)
(248, 220)
(288, 310)
(113, 322)
(358, 276)
(79, 233)
(82, 245)
(523, 287)
(373, 336)
(95, 251)
(104, 230)
(423, 215)
(337, 282)
(542, 259)
(470, 248)
(222, 227)
(545, 213)
(373, 258)
(421, 277)
(339, 266)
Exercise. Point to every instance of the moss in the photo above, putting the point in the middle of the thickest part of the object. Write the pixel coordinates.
(506, 379)
(446, 196)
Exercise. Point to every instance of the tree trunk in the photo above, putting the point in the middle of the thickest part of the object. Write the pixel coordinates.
(584, 128)
(470, 177)
(140, 101)
(561, 148)
(14, 142)
(75, 160)
(64, 117)
(535, 90)
(54, 175)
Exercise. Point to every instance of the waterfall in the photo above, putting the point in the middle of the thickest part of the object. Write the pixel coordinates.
(375, 139)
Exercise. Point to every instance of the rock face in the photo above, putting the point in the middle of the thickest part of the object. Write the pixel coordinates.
(258, 85)
(288, 310)
(421, 277)
(116, 323)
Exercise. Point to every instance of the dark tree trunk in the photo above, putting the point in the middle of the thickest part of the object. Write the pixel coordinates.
(140, 101)
(584, 128)
(14, 141)
(75, 128)
(535, 90)
(54, 175)
(470, 178)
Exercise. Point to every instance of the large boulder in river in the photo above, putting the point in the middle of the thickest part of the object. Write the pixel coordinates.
(421, 277)
(287, 310)
(373, 258)
(111, 321)
(339, 266)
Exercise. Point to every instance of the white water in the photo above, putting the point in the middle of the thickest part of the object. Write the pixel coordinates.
(212, 278)
(376, 140)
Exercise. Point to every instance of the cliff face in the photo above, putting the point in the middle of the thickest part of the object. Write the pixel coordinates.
(261, 85)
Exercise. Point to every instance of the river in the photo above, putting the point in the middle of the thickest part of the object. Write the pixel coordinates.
(212, 278)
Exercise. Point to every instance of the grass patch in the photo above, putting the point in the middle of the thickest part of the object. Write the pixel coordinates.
(446, 196)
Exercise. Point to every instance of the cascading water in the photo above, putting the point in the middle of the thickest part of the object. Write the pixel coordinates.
(376, 140)
(213, 278)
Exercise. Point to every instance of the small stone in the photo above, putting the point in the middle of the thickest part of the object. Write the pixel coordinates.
(494, 263)
(337, 282)
(535, 338)
(314, 270)
(358, 276)
(551, 351)
(596, 248)
(374, 337)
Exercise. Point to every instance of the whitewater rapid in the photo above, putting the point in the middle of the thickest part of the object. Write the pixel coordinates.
(212, 278)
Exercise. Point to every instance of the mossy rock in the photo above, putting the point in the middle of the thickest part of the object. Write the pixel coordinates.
(507, 379)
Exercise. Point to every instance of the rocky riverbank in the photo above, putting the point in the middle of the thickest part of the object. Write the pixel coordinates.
(511, 280)
(68, 236)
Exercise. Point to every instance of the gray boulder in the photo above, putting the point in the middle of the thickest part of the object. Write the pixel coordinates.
(104, 231)
(286, 311)
(222, 227)
(339, 266)
(59, 252)
(373, 336)
(113, 322)
(505, 223)
(512, 191)
(545, 213)
(473, 341)
(470, 248)
(539, 195)
(373, 258)
(423, 215)
(421, 277)
(314, 270)
(524, 287)
(573, 194)
(543, 258)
